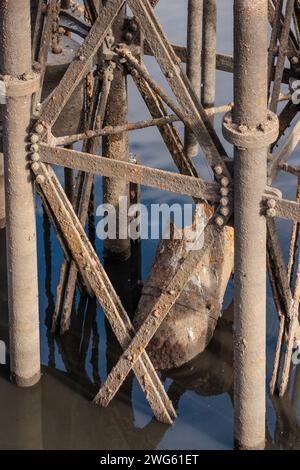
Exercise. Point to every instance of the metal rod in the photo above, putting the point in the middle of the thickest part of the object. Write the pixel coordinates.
(15, 60)
(250, 97)
(193, 66)
(209, 54)
(105, 131)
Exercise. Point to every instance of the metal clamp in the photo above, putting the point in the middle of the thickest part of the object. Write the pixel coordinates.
(13, 87)
(243, 137)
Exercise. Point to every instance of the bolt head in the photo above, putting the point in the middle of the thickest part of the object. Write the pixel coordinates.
(35, 166)
(271, 213)
(39, 128)
(224, 201)
(81, 57)
(169, 75)
(242, 129)
(295, 60)
(224, 211)
(218, 170)
(40, 179)
(34, 148)
(227, 119)
(224, 191)
(35, 157)
(34, 138)
(271, 203)
(219, 221)
(224, 181)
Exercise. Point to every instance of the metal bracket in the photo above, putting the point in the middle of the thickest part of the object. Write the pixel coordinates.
(243, 137)
(13, 87)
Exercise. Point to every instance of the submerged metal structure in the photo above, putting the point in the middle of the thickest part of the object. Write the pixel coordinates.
(113, 45)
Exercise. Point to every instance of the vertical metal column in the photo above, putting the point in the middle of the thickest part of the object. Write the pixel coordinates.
(209, 54)
(15, 61)
(250, 112)
(116, 147)
(193, 65)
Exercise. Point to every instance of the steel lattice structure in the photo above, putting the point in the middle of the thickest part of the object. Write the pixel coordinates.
(254, 135)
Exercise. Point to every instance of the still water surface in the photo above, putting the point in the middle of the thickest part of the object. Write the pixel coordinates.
(57, 413)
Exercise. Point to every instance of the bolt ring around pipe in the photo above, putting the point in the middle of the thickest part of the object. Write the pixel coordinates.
(241, 136)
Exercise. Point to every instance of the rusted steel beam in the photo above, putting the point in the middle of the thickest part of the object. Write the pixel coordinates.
(38, 8)
(285, 119)
(197, 119)
(283, 42)
(169, 132)
(193, 66)
(224, 62)
(42, 47)
(109, 130)
(89, 265)
(70, 22)
(292, 49)
(139, 174)
(284, 153)
(56, 101)
(85, 182)
(294, 241)
(293, 170)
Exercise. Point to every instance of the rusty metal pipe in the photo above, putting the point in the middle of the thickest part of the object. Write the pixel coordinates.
(116, 147)
(193, 66)
(209, 54)
(250, 98)
(15, 61)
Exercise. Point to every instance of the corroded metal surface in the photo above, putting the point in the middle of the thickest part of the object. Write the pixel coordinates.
(116, 42)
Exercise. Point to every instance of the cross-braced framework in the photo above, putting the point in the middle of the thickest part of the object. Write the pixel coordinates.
(122, 52)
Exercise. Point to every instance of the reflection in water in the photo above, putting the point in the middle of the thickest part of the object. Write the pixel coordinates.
(58, 413)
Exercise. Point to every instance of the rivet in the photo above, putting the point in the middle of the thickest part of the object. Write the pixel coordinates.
(35, 166)
(169, 75)
(224, 191)
(35, 157)
(34, 148)
(271, 212)
(218, 169)
(39, 128)
(40, 179)
(271, 203)
(34, 138)
(224, 211)
(224, 181)
(294, 60)
(219, 221)
(224, 201)
(81, 58)
(242, 128)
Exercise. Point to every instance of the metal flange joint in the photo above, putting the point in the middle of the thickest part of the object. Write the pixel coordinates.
(243, 137)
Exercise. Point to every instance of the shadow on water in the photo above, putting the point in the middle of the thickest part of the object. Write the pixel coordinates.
(58, 413)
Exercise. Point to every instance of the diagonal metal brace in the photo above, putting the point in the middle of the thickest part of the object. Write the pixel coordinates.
(90, 267)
